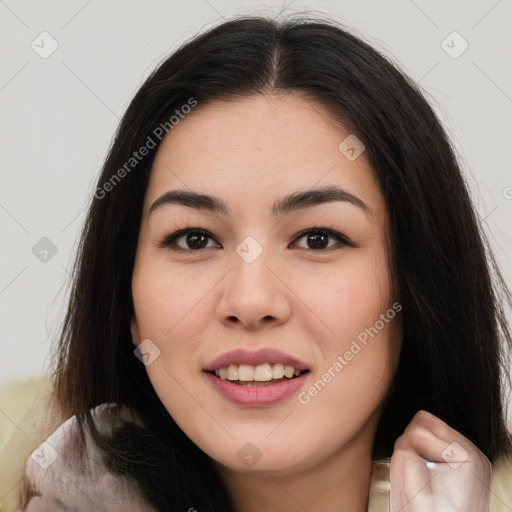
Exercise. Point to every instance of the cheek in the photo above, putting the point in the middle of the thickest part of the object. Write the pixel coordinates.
(360, 349)
(349, 297)
(165, 298)
(359, 360)
(173, 309)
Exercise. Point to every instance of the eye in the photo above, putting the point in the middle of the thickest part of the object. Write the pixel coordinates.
(319, 238)
(189, 239)
(196, 239)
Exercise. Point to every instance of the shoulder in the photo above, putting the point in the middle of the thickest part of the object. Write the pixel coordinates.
(71, 470)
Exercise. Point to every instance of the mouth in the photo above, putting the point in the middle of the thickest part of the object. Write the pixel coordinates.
(263, 378)
(259, 378)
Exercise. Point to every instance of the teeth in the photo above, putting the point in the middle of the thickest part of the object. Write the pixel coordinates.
(278, 371)
(232, 372)
(246, 372)
(261, 373)
(289, 371)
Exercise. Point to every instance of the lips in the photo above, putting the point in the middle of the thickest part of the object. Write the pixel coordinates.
(256, 393)
(257, 396)
(262, 356)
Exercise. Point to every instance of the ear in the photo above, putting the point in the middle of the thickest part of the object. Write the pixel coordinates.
(134, 328)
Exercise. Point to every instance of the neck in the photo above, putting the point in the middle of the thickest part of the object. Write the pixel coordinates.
(341, 482)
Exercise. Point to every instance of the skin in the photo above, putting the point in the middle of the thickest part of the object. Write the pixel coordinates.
(310, 303)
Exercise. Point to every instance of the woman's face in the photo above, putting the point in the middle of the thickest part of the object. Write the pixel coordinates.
(265, 277)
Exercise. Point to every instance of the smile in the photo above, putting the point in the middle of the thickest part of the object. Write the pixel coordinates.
(256, 379)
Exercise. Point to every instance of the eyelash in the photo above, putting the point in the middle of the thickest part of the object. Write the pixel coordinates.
(168, 241)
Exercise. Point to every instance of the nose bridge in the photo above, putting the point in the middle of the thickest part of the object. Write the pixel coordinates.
(257, 272)
(252, 293)
(251, 278)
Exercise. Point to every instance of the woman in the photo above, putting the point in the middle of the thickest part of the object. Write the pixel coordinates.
(282, 233)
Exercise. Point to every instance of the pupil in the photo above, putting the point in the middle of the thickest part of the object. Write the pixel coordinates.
(317, 241)
(196, 240)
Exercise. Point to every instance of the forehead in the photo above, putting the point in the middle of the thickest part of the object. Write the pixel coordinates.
(266, 146)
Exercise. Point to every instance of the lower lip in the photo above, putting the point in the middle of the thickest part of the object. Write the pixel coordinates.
(257, 396)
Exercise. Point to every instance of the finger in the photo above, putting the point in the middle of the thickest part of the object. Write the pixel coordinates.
(432, 461)
(410, 479)
(435, 441)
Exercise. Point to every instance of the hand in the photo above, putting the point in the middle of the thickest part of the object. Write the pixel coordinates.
(436, 469)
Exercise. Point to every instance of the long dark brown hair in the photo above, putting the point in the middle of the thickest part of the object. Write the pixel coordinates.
(451, 290)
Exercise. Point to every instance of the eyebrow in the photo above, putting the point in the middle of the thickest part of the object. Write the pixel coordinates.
(291, 202)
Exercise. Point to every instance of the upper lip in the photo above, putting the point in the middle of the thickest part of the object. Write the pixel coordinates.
(265, 355)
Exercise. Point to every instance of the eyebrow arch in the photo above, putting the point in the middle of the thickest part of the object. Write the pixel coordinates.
(287, 204)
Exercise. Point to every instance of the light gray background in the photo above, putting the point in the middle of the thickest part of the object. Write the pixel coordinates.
(58, 116)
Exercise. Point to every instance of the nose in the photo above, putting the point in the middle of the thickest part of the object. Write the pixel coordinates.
(254, 297)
